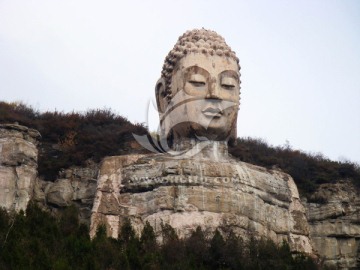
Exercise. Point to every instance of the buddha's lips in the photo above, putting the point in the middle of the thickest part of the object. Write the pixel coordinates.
(212, 112)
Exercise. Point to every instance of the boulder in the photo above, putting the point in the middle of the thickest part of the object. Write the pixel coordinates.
(60, 193)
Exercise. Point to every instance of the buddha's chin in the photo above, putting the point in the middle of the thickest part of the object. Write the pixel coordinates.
(215, 131)
(216, 134)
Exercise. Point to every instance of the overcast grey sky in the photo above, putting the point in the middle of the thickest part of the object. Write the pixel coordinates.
(300, 61)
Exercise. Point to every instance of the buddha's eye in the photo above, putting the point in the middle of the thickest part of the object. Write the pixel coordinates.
(228, 86)
(197, 80)
(228, 83)
(197, 84)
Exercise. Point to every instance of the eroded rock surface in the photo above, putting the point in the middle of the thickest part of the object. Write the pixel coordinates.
(18, 165)
(216, 192)
(187, 193)
(335, 224)
(76, 185)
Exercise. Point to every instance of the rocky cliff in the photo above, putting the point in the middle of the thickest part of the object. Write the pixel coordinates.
(186, 194)
(75, 186)
(335, 224)
(19, 181)
(18, 165)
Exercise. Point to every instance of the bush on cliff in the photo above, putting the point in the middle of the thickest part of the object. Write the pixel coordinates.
(308, 170)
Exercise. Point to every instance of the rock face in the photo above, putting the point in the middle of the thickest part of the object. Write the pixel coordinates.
(76, 185)
(211, 191)
(335, 224)
(187, 193)
(18, 165)
(19, 182)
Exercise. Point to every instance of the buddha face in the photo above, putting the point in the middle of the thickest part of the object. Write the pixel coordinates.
(205, 97)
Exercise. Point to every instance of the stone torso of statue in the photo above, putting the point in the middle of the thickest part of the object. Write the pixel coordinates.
(194, 182)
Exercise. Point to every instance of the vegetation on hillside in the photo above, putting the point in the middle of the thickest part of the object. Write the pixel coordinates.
(72, 138)
(38, 241)
(308, 170)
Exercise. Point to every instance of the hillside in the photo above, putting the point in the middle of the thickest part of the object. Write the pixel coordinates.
(74, 138)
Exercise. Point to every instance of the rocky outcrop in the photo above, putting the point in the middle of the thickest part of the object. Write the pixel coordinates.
(19, 182)
(185, 193)
(18, 165)
(335, 224)
(76, 185)
(209, 193)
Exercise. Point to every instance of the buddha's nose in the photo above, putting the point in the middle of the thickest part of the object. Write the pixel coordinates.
(214, 90)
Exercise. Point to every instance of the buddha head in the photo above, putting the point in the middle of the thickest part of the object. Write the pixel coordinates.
(198, 92)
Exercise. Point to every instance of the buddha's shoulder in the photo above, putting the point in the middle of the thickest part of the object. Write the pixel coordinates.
(112, 164)
(161, 162)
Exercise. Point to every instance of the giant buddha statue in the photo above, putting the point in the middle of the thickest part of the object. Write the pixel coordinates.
(191, 180)
(201, 82)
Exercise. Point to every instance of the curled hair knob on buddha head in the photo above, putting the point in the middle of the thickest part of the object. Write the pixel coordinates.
(203, 41)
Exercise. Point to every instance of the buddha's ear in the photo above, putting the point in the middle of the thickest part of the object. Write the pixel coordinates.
(161, 95)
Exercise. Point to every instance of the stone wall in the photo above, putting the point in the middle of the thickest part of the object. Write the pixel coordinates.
(18, 165)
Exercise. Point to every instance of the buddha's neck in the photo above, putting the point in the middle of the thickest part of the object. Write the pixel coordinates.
(214, 150)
